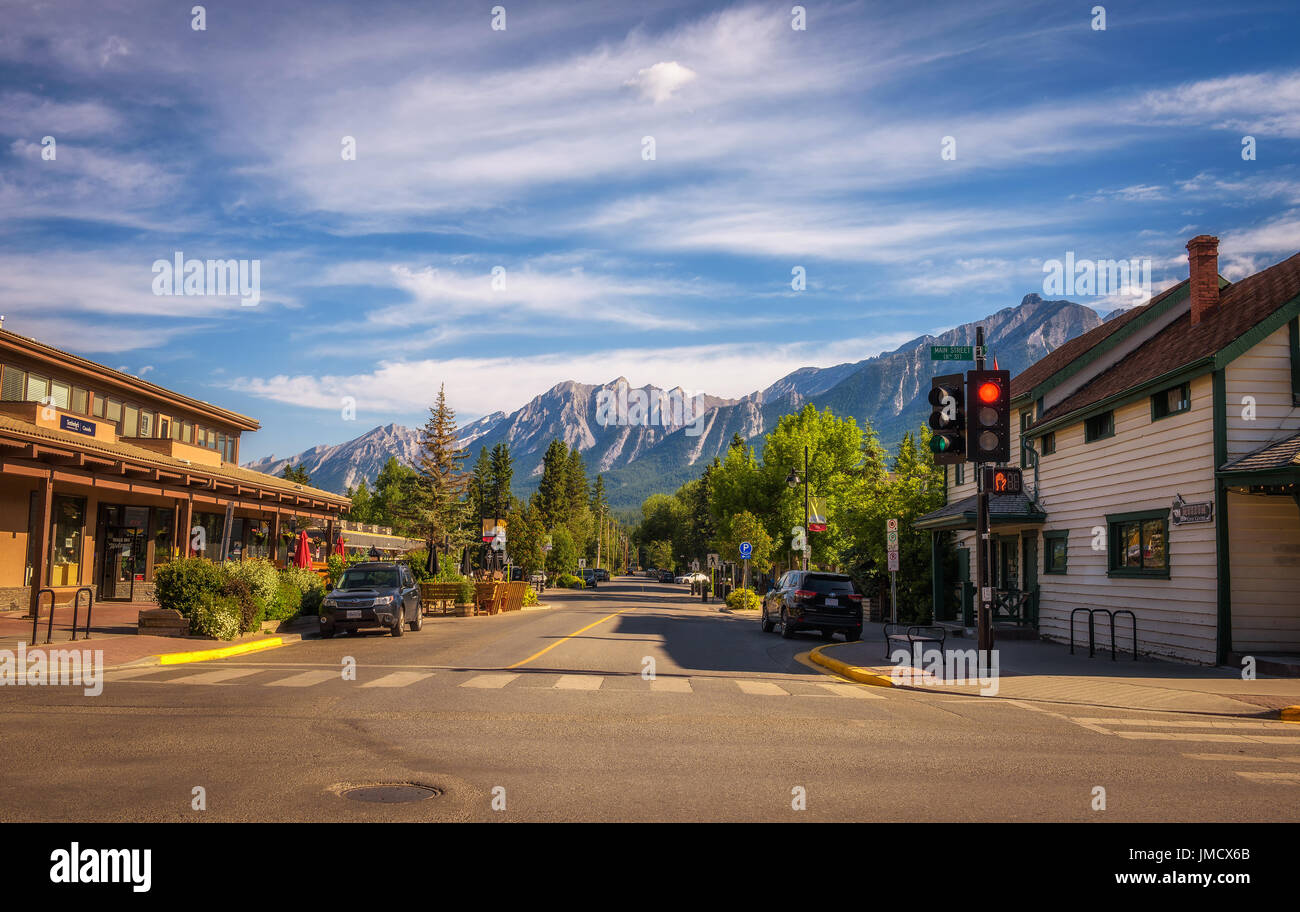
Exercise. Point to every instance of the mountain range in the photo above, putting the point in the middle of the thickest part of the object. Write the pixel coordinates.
(639, 458)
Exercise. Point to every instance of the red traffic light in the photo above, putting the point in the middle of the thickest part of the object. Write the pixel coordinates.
(989, 392)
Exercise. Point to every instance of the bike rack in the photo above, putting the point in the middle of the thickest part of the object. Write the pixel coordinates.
(76, 602)
(1110, 618)
(36, 614)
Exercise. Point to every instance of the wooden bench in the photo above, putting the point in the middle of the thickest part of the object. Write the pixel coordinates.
(488, 597)
(917, 633)
(442, 595)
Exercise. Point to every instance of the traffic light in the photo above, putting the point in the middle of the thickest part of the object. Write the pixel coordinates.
(1003, 480)
(988, 405)
(948, 420)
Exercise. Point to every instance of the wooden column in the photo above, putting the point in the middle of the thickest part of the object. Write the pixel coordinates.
(329, 539)
(275, 536)
(44, 511)
(178, 527)
(187, 523)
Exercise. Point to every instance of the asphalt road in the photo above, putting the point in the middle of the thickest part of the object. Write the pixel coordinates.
(555, 708)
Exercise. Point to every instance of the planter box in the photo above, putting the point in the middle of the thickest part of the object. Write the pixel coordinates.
(464, 610)
(162, 622)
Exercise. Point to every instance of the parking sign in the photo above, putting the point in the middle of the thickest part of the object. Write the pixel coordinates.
(746, 549)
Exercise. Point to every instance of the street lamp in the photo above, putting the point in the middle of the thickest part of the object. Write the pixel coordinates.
(793, 481)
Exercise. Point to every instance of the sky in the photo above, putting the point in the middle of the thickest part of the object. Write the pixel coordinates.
(439, 194)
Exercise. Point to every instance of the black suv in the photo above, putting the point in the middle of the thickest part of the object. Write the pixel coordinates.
(373, 594)
(806, 599)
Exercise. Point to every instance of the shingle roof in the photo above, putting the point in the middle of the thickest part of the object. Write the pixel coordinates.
(1003, 508)
(1242, 305)
(1280, 454)
(118, 450)
(1024, 382)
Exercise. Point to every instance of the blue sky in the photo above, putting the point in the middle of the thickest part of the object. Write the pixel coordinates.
(522, 149)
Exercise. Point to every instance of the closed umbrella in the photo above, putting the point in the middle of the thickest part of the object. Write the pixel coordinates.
(303, 557)
(339, 544)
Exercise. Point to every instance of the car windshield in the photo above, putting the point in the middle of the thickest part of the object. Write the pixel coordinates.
(376, 578)
(827, 584)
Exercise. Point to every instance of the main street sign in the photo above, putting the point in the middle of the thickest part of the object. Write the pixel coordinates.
(952, 353)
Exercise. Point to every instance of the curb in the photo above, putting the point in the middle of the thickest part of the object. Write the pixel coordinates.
(845, 670)
(207, 655)
(1289, 713)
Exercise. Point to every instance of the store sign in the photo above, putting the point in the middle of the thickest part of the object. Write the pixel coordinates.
(1197, 512)
(77, 425)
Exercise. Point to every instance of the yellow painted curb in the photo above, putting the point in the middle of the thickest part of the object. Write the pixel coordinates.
(852, 672)
(204, 655)
(1290, 713)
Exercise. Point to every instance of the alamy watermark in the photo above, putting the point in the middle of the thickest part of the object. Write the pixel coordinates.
(944, 668)
(625, 407)
(1073, 277)
(75, 667)
(181, 276)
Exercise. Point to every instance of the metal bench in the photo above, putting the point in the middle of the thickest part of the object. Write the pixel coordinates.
(912, 635)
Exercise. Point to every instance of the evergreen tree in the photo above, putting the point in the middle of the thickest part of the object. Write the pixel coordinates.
(551, 498)
(480, 479)
(443, 482)
(501, 470)
(362, 503)
(297, 474)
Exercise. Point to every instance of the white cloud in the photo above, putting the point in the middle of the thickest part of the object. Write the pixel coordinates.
(659, 82)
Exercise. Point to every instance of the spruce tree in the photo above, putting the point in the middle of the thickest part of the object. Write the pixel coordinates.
(442, 480)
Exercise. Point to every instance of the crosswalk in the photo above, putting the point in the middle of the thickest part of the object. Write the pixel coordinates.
(288, 677)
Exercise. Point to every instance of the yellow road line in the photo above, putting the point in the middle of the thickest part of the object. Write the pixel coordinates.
(569, 637)
(206, 655)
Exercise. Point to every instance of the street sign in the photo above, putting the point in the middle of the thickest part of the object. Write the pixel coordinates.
(891, 525)
(695, 566)
(582, 563)
(891, 539)
(893, 561)
(714, 562)
(746, 549)
(952, 353)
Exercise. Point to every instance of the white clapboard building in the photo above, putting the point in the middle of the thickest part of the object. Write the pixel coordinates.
(1161, 455)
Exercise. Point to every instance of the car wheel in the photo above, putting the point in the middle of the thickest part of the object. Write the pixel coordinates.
(853, 634)
(397, 628)
(767, 624)
(418, 623)
(787, 632)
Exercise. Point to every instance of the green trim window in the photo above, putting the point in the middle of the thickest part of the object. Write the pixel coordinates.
(1293, 331)
(1172, 401)
(1055, 550)
(959, 473)
(1099, 427)
(1049, 443)
(1138, 544)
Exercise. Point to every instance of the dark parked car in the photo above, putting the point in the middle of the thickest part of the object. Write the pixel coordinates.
(373, 595)
(602, 575)
(808, 600)
(666, 576)
(589, 578)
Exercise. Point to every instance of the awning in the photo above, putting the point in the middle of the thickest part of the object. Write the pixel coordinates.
(1004, 510)
(1273, 463)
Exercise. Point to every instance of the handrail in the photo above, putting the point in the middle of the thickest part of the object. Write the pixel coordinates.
(36, 614)
(76, 602)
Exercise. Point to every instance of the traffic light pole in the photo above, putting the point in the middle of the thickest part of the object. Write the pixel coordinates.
(984, 614)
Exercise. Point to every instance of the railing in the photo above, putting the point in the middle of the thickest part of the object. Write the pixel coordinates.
(36, 614)
(1016, 606)
(76, 602)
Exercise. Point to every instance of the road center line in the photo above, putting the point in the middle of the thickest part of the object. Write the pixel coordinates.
(569, 637)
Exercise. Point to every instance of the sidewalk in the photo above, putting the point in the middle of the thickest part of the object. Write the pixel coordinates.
(113, 631)
(1046, 672)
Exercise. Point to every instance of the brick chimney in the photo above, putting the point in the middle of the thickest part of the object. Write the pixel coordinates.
(1203, 258)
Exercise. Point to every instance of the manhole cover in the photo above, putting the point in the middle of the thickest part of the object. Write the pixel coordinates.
(392, 794)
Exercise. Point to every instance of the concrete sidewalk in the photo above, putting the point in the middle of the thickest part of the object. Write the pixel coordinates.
(1046, 672)
(113, 631)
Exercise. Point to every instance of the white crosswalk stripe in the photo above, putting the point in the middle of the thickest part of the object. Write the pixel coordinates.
(762, 688)
(399, 679)
(579, 682)
(305, 679)
(493, 681)
(850, 690)
(215, 677)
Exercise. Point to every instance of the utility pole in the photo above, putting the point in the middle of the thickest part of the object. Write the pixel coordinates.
(807, 537)
(984, 614)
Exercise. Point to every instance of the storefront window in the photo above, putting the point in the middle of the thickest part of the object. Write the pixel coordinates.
(67, 528)
(163, 543)
(1139, 544)
(211, 524)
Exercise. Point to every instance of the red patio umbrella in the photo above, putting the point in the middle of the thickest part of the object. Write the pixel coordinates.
(303, 557)
(338, 546)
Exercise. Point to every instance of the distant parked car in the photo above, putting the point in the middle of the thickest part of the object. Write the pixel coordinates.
(665, 576)
(538, 581)
(588, 576)
(682, 578)
(602, 574)
(807, 599)
(372, 594)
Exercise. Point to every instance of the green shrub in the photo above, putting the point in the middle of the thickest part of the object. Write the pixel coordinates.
(287, 604)
(308, 584)
(743, 600)
(215, 616)
(530, 597)
(568, 581)
(260, 577)
(183, 583)
(251, 608)
(466, 596)
(336, 565)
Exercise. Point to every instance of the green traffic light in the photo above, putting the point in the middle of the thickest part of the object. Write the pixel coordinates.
(938, 444)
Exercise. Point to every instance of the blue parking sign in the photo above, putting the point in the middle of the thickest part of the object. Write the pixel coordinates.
(746, 549)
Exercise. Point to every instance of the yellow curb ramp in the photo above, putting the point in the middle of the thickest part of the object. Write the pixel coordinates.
(845, 670)
(205, 655)
(1290, 713)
